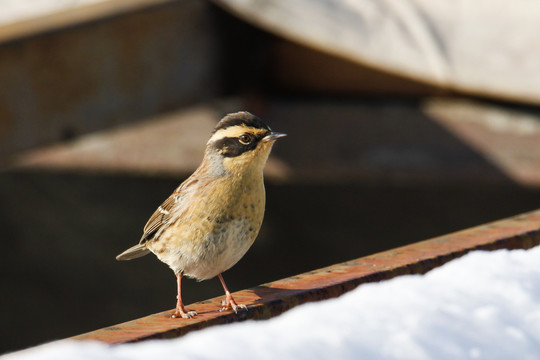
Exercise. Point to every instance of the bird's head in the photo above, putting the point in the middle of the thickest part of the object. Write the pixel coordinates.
(242, 141)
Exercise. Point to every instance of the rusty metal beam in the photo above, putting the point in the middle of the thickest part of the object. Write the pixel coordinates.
(268, 300)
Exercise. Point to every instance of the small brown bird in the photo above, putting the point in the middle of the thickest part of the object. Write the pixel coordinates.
(211, 220)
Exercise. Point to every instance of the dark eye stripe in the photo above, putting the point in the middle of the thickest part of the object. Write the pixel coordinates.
(231, 147)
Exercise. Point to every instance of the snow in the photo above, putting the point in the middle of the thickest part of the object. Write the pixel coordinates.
(17, 10)
(485, 305)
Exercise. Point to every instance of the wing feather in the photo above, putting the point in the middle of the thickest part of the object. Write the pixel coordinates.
(165, 213)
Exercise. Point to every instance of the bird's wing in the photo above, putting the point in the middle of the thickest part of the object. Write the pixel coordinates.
(165, 214)
(161, 217)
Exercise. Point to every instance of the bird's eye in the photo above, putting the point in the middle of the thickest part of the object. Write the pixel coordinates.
(245, 138)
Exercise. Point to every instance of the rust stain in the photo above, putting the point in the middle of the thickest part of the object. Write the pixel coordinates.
(271, 299)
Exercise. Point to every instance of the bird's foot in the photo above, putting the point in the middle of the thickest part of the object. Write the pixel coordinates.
(229, 303)
(182, 313)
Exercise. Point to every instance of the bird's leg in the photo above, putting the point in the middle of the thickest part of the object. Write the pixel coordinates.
(229, 302)
(180, 310)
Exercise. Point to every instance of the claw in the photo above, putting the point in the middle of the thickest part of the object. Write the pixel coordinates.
(231, 304)
(184, 314)
(240, 307)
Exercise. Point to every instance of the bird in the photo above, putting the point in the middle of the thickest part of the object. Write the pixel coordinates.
(211, 220)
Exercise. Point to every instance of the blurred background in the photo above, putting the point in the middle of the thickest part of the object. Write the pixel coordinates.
(406, 120)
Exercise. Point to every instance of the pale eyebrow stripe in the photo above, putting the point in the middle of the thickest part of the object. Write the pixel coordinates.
(234, 131)
(231, 131)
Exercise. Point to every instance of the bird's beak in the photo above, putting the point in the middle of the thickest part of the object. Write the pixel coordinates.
(273, 136)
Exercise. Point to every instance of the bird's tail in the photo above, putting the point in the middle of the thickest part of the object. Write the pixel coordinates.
(133, 252)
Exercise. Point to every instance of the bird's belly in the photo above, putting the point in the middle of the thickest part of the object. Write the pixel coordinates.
(223, 249)
(207, 254)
